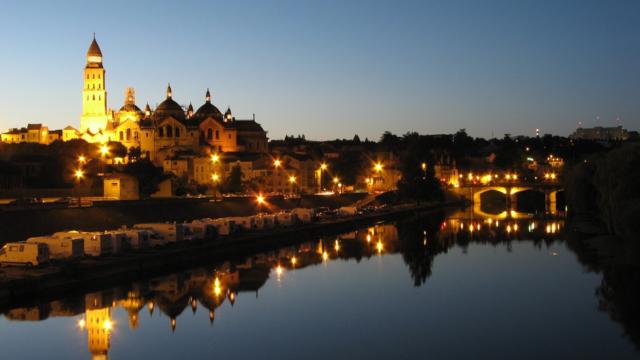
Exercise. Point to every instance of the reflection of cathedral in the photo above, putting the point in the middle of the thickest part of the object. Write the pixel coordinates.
(162, 132)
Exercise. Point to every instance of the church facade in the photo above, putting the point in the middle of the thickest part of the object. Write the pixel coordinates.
(163, 132)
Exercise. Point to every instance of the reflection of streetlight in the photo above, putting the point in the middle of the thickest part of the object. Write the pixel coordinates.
(215, 178)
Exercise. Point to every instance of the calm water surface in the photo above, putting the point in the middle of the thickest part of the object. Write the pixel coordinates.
(434, 287)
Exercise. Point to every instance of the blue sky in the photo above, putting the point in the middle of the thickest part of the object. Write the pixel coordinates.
(332, 69)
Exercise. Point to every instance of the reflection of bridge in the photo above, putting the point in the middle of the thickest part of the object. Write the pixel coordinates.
(510, 190)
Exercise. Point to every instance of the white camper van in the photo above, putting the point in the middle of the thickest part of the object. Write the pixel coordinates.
(95, 243)
(171, 232)
(60, 248)
(284, 219)
(119, 241)
(138, 239)
(302, 215)
(20, 253)
(347, 211)
(202, 230)
(243, 222)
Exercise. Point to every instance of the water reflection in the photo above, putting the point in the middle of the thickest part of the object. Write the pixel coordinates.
(419, 240)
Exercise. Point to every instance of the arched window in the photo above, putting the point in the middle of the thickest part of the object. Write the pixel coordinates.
(209, 133)
(160, 132)
(94, 97)
(93, 76)
(217, 135)
(87, 76)
(169, 131)
(135, 135)
(128, 134)
(177, 132)
(99, 97)
(121, 136)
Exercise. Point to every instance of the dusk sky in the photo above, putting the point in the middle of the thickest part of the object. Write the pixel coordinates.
(332, 69)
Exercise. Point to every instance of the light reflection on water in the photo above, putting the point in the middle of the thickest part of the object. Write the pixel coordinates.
(454, 287)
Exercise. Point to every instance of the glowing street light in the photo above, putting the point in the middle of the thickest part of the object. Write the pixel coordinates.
(82, 159)
(292, 179)
(336, 180)
(104, 150)
(215, 158)
(215, 177)
(323, 166)
(260, 199)
(79, 174)
(277, 163)
(378, 167)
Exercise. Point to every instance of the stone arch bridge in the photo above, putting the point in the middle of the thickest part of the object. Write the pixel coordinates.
(474, 192)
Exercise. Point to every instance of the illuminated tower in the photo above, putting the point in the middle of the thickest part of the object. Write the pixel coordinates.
(94, 94)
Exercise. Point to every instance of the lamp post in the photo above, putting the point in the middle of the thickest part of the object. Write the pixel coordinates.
(292, 182)
(323, 167)
(79, 175)
(336, 180)
(260, 201)
(276, 164)
(424, 170)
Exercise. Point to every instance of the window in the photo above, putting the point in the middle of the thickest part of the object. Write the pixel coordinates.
(93, 76)
(160, 132)
(94, 97)
(121, 136)
(217, 135)
(177, 132)
(128, 134)
(135, 135)
(169, 131)
(209, 133)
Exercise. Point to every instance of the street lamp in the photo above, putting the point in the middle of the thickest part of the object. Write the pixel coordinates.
(323, 167)
(292, 181)
(104, 150)
(215, 158)
(260, 200)
(378, 167)
(82, 159)
(79, 175)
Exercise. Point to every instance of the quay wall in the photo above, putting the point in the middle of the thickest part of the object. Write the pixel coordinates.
(18, 225)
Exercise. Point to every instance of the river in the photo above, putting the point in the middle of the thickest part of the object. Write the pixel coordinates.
(438, 286)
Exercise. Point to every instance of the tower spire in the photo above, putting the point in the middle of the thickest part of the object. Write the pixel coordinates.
(169, 92)
(207, 96)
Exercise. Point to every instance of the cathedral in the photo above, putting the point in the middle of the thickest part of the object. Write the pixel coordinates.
(165, 131)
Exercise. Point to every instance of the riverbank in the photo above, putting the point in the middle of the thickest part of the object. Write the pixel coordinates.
(19, 284)
(19, 225)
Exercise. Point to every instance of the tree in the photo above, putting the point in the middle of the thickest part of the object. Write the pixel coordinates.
(233, 183)
(148, 175)
(417, 183)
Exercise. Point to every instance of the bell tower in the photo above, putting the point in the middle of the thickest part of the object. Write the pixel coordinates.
(94, 94)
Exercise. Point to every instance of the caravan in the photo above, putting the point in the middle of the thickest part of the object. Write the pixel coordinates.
(138, 239)
(20, 253)
(243, 222)
(284, 219)
(202, 230)
(170, 232)
(60, 248)
(302, 215)
(119, 241)
(95, 243)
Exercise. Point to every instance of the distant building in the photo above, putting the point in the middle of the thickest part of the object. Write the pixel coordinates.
(600, 133)
(33, 133)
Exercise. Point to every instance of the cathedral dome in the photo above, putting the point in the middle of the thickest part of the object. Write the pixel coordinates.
(169, 108)
(208, 110)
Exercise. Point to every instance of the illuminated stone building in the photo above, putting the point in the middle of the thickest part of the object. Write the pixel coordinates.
(163, 132)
